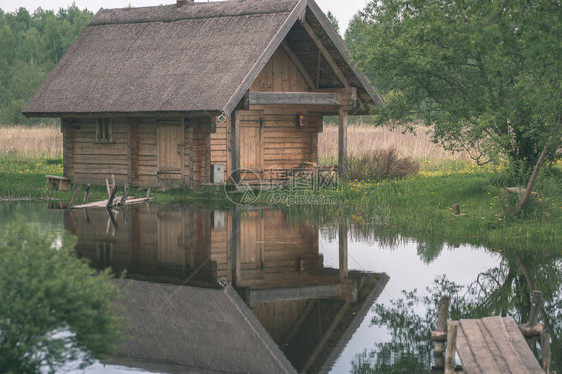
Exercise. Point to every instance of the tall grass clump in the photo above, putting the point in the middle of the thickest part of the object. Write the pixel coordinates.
(380, 164)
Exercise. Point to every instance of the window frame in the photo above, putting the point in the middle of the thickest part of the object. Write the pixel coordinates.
(104, 131)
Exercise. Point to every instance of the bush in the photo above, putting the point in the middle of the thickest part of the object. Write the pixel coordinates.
(53, 307)
(380, 164)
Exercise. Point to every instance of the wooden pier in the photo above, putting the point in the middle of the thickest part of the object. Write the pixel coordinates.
(490, 345)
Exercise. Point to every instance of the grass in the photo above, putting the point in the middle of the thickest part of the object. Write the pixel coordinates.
(421, 206)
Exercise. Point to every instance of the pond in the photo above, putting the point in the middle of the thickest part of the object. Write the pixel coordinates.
(249, 289)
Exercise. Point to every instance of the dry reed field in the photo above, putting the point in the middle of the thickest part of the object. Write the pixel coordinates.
(40, 141)
(46, 141)
(363, 138)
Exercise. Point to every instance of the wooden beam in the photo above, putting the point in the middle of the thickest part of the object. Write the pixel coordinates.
(296, 293)
(295, 98)
(327, 56)
(348, 96)
(293, 56)
(235, 147)
(342, 145)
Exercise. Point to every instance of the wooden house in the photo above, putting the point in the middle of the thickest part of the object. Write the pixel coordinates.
(155, 95)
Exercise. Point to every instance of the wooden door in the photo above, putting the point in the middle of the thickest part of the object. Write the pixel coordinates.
(170, 150)
(171, 242)
(250, 141)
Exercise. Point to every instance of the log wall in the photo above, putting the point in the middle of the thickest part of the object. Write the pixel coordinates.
(132, 154)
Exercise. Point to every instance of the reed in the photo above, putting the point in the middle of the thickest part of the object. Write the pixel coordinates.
(363, 139)
(30, 142)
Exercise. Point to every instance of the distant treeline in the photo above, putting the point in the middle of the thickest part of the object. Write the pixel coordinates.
(30, 46)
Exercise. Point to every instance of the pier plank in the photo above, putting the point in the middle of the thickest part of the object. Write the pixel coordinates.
(479, 347)
(493, 345)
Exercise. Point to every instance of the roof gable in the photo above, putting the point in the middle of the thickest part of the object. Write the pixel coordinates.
(196, 57)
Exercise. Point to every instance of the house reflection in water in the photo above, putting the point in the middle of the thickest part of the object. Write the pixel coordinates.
(309, 311)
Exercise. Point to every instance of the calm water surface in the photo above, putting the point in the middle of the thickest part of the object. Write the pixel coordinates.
(315, 302)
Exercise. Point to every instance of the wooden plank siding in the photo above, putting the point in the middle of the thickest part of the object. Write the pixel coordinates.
(132, 154)
(282, 145)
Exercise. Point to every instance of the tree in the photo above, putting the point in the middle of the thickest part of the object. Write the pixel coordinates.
(334, 21)
(486, 75)
(54, 307)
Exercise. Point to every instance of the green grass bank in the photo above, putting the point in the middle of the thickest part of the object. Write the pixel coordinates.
(420, 204)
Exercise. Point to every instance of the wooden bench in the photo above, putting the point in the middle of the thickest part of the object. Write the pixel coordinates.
(55, 182)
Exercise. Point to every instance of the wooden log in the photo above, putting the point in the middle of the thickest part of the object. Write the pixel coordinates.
(148, 193)
(295, 98)
(107, 188)
(442, 316)
(456, 209)
(125, 195)
(531, 331)
(545, 348)
(86, 194)
(451, 349)
(535, 308)
(111, 197)
(439, 336)
(519, 191)
(113, 180)
(76, 190)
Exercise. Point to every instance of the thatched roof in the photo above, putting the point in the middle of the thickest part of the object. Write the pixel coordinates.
(180, 329)
(166, 59)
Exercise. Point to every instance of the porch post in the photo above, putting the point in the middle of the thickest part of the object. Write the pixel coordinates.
(235, 146)
(342, 246)
(342, 144)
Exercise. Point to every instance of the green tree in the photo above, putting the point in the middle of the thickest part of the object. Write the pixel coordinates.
(53, 307)
(486, 75)
(333, 21)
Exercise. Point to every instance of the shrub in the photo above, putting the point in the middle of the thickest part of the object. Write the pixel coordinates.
(53, 307)
(380, 164)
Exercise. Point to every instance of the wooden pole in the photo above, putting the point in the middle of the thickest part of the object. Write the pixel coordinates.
(111, 197)
(456, 209)
(342, 241)
(342, 144)
(442, 316)
(86, 194)
(125, 194)
(76, 190)
(148, 193)
(235, 147)
(545, 348)
(451, 349)
(107, 188)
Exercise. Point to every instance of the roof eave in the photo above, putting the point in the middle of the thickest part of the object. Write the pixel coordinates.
(164, 113)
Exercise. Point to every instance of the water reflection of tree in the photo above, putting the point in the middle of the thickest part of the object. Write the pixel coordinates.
(503, 290)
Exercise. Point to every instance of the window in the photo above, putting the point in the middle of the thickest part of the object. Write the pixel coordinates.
(103, 130)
